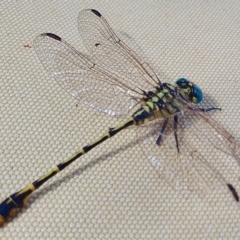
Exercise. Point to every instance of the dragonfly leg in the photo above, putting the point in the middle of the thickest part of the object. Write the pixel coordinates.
(209, 109)
(163, 129)
(161, 132)
(136, 99)
(175, 130)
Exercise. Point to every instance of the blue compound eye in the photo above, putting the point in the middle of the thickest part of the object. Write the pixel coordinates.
(197, 94)
(192, 91)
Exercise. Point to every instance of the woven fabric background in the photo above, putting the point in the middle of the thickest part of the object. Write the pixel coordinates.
(112, 192)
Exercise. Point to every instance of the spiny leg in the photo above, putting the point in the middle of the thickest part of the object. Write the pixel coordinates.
(209, 109)
(162, 131)
(159, 139)
(176, 123)
(175, 131)
(204, 109)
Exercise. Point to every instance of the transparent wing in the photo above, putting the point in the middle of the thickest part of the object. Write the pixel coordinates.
(111, 80)
(109, 52)
(82, 78)
(205, 149)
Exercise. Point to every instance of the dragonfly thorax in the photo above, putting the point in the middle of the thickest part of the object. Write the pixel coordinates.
(167, 100)
(162, 103)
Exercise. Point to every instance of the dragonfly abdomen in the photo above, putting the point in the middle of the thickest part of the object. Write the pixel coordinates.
(17, 200)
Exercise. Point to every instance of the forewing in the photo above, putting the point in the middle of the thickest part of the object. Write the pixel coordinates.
(81, 77)
(198, 164)
(109, 52)
(214, 134)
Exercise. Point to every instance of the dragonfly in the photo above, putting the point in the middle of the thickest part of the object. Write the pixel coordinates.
(168, 119)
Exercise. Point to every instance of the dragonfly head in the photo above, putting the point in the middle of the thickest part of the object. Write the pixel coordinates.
(191, 91)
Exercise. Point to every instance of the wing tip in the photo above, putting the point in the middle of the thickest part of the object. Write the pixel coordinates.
(51, 35)
(96, 12)
(234, 192)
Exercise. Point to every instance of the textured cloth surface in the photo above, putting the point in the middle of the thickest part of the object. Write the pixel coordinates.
(112, 192)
